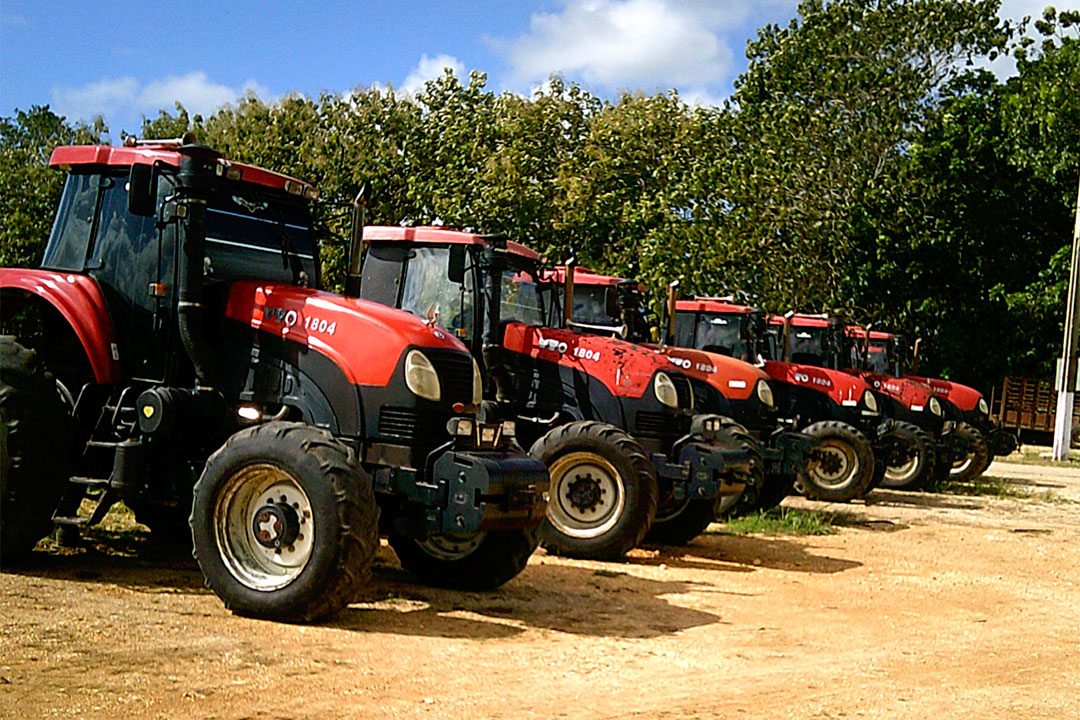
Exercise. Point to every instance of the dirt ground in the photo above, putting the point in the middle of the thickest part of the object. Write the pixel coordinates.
(920, 606)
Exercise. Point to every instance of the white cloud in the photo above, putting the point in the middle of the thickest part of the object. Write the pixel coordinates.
(195, 91)
(1017, 9)
(632, 44)
(429, 69)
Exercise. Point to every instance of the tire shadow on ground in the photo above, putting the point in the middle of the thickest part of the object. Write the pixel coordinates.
(550, 594)
(886, 498)
(130, 560)
(716, 550)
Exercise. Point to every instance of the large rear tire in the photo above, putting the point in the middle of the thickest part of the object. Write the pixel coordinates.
(36, 440)
(470, 561)
(912, 462)
(285, 523)
(977, 457)
(603, 491)
(842, 466)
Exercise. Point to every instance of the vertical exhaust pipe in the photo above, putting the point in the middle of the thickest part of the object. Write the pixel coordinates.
(356, 242)
(669, 308)
(568, 292)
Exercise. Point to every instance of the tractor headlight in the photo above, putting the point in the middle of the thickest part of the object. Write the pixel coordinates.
(477, 384)
(764, 393)
(935, 406)
(665, 390)
(983, 407)
(870, 401)
(420, 376)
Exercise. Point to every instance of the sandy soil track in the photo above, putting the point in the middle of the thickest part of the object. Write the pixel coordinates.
(920, 606)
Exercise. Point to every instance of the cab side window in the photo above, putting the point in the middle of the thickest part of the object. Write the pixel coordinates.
(70, 234)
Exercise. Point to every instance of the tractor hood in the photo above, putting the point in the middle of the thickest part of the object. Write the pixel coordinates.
(843, 389)
(912, 395)
(624, 368)
(963, 397)
(342, 328)
(732, 378)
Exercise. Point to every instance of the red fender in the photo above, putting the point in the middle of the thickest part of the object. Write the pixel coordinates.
(78, 298)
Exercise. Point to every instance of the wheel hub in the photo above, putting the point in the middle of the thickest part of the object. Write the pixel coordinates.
(276, 525)
(831, 463)
(585, 493)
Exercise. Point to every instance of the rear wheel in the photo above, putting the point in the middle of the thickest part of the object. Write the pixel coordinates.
(976, 457)
(909, 459)
(36, 437)
(466, 561)
(603, 491)
(284, 522)
(842, 465)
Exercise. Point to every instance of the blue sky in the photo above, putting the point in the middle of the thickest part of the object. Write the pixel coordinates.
(126, 59)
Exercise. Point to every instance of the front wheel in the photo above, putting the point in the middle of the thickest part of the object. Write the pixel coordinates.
(841, 466)
(284, 523)
(603, 491)
(909, 457)
(466, 561)
(976, 457)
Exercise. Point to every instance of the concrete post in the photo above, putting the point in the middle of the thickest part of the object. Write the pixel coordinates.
(1066, 374)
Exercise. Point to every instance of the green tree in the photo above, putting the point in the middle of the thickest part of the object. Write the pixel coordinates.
(29, 189)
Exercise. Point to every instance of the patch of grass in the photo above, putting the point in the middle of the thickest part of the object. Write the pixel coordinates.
(783, 521)
(988, 485)
(1038, 455)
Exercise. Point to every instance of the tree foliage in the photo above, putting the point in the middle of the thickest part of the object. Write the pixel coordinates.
(861, 164)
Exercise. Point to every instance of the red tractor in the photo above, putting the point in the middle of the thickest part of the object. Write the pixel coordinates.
(739, 392)
(174, 353)
(977, 439)
(838, 409)
(612, 420)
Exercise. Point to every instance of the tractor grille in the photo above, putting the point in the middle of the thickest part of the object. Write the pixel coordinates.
(661, 425)
(683, 390)
(455, 376)
(399, 423)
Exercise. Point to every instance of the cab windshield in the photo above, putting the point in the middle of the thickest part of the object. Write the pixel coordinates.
(720, 333)
(808, 346)
(428, 291)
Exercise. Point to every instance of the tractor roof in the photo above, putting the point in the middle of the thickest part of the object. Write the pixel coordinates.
(169, 153)
(438, 236)
(585, 276)
(860, 332)
(710, 304)
(806, 321)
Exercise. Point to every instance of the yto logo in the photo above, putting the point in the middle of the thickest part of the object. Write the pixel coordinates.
(553, 345)
(680, 362)
(287, 318)
(802, 377)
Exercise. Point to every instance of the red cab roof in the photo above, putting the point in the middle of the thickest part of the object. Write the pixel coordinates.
(707, 304)
(811, 321)
(437, 236)
(68, 156)
(585, 276)
(860, 332)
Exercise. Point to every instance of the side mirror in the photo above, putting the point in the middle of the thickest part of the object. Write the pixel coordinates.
(456, 270)
(142, 190)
